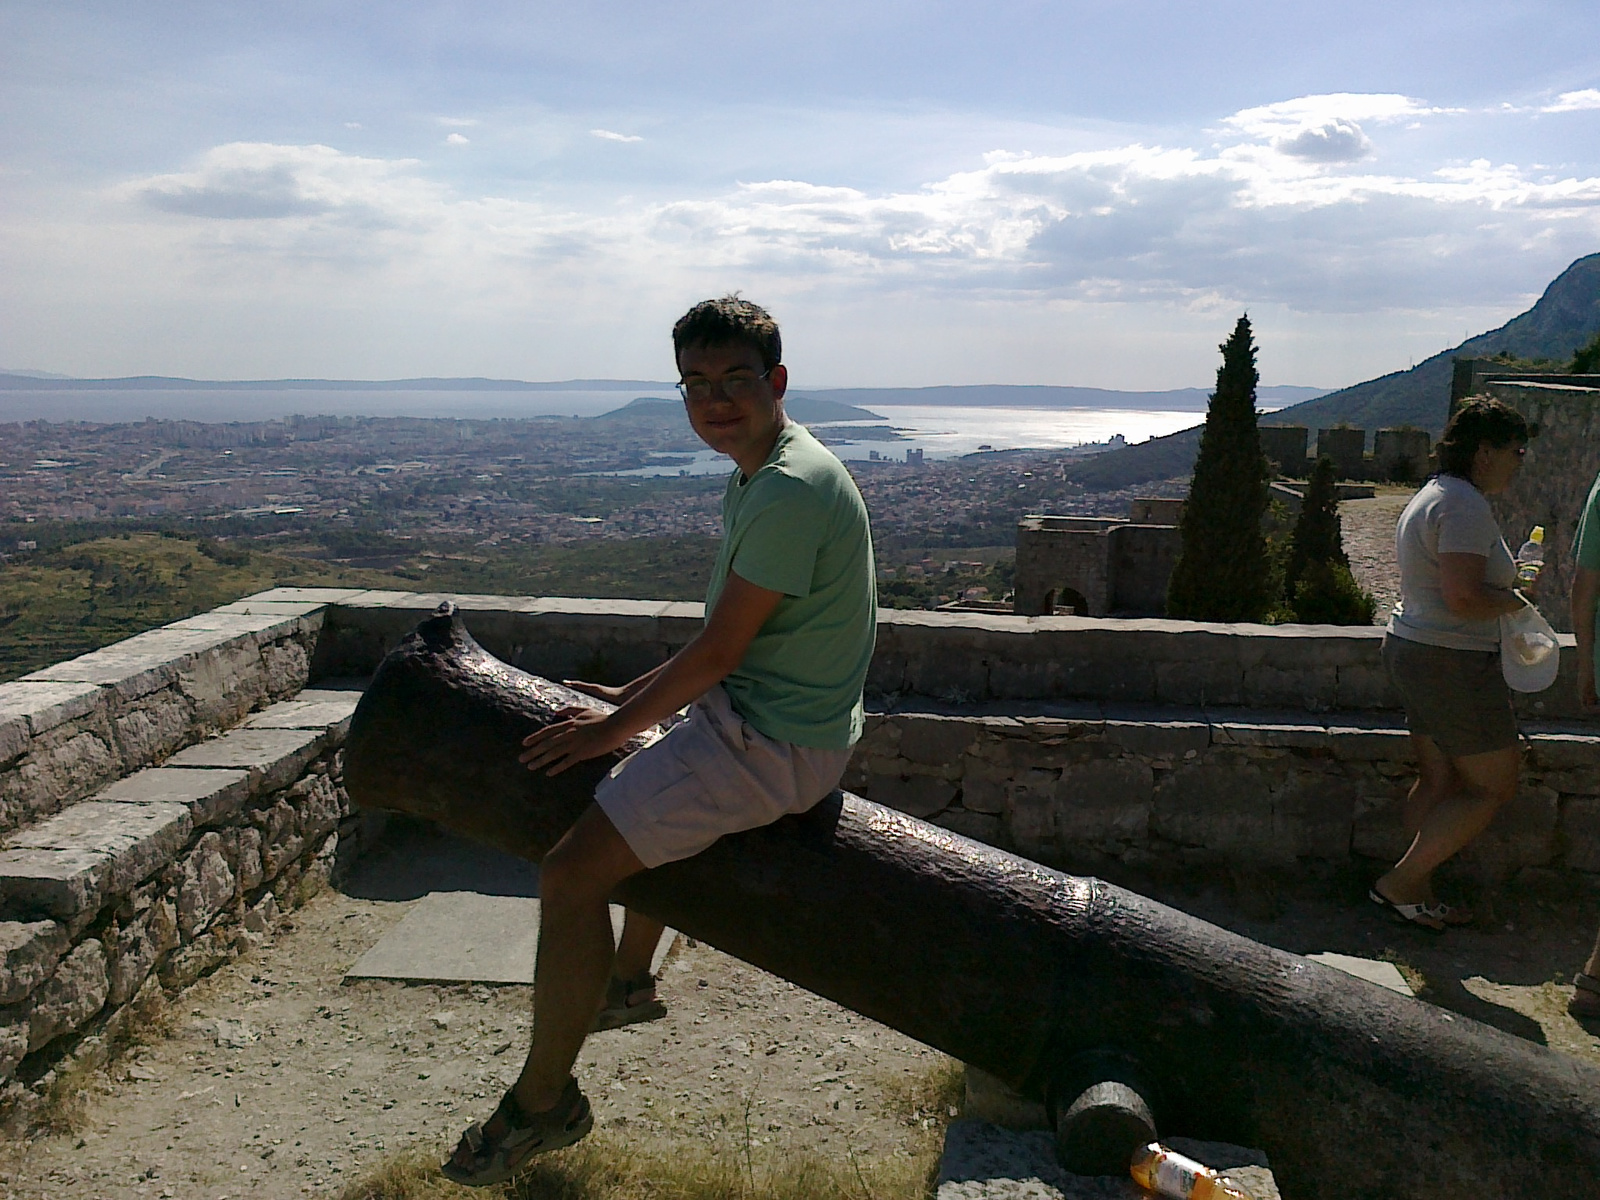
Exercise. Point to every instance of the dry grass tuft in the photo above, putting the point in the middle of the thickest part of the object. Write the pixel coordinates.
(929, 1099)
(66, 1105)
(604, 1167)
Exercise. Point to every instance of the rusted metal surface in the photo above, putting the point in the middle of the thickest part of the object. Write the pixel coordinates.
(1352, 1090)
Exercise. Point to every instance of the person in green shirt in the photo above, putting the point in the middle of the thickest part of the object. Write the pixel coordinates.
(1585, 1002)
(773, 683)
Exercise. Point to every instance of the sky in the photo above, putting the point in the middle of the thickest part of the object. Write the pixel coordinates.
(1023, 191)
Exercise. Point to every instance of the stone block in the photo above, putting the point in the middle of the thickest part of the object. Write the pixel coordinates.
(13, 1047)
(1219, 682)
(250, 869)
(223, 681)
(188, 963)
(158, 725)
(132, 668)
(281, 842)
(980, 827)
(1314, 689)
(935, 740)
(61, 766)
(1580, 833)
(277, 608)
(274, 758)
(210, 794)
(311, 709)
(74, 993)
(307, 595)
(37, 707)
(207, 886)
(320, 805)
(1364, 686)
(1289, 730)
(1137, 733)
(1581, 781)
(139, 946)
(1030, 816)
(29, 952)
(1377, 832)
(983, 786)
(1369, 742)
(1221, 805)
(74, 861)
(918, 795)
(285, 666)
(1104, 802)
(1565, 750)
(1313, 815)
(1522, 834)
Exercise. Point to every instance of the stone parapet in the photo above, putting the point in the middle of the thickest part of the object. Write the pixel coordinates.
(1090, 785)
(75, 726)
(971, 658)
(160, 877)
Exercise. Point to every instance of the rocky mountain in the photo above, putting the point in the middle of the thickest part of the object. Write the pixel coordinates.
(1565, 317)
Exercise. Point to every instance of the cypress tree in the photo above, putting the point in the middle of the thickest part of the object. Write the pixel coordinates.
(1317, 537)
(1317, 582)
(1222, 572)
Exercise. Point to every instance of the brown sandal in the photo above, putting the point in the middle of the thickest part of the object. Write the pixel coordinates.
(629, 1001)
(479, 1162)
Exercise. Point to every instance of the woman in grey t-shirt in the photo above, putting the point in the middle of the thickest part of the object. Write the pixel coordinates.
(1442, 649)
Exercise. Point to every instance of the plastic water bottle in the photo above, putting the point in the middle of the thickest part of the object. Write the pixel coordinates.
(1168, 1173)
(1531, 557)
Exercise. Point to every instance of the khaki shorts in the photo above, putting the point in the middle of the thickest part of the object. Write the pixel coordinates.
(711, 775)
(1458, 698)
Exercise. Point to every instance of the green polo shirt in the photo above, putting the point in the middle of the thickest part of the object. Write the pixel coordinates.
(798, 526)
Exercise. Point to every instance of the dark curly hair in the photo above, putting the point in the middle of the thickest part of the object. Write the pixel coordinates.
(725, 320)
(1480, 421)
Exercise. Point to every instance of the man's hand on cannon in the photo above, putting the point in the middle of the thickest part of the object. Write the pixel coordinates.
(575, 735)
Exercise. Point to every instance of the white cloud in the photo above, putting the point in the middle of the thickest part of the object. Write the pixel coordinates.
(1285, 118)
(1581, 101)
(456, 139)
(612, 136)
(1335, 141)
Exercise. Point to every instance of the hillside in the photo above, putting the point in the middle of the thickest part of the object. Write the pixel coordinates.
(1566, 316)
(1006, 395)
(808, 410)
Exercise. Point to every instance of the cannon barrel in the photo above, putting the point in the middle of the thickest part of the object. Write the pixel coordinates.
(1352, 1090)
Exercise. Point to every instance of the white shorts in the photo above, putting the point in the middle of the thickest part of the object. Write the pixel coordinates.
(711, 775)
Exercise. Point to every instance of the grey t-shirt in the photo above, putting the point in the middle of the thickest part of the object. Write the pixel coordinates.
(1447, 516)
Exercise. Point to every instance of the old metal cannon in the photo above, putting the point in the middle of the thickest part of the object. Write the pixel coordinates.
(1353, 1091)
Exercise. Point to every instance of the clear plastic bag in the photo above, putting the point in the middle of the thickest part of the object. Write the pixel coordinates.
(1530, 652)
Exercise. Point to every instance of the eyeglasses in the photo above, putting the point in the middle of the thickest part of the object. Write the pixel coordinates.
(735, 385)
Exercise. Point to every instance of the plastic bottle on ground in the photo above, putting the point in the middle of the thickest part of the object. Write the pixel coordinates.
(1531, 557)
(1168, 1173)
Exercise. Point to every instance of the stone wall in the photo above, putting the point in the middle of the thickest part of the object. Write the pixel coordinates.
(1097, 788)
(121, 881)
(1554, 481)
(73, 727)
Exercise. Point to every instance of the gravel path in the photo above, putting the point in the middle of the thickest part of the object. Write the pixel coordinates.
(1368, 527)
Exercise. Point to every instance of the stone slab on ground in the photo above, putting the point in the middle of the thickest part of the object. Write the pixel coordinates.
(1373, 970)
(275, 758)
(984, 1162)
(465, 937)
(209, 793)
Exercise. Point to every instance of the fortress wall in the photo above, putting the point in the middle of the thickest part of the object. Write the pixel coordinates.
(1554, 481)
(1093, 788)
(171, 795)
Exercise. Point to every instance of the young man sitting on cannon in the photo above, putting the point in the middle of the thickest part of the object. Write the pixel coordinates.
(773, 685)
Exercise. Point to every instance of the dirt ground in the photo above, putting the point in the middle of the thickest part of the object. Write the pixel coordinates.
(1368, 527)
(278, 1080)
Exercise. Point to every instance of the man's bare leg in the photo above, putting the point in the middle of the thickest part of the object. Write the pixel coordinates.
(637, 949)
(575, 952)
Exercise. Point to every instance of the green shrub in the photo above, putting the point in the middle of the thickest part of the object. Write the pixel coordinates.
(1328, 594)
